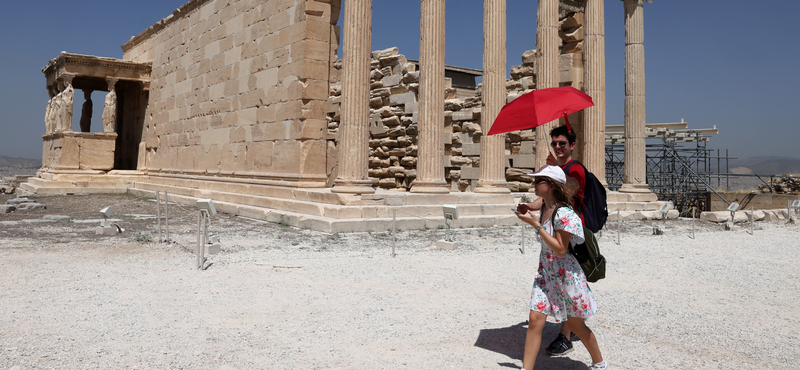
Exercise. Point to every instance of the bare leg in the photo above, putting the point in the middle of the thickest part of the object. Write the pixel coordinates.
(578, 326)
(533, 339)
(565, 329)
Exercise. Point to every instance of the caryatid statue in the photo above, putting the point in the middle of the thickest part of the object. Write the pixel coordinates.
(110, 112)
(48, 128)
(68, 96)
(86, 112)
(57, 112)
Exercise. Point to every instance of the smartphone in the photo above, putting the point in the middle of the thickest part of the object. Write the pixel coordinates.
(515, 210)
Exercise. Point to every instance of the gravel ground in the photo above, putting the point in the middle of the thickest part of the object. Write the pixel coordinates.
(285, 298)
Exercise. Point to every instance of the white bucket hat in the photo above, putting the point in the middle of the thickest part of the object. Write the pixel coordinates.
(553, 172)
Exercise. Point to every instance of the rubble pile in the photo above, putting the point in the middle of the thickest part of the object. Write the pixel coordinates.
(20, 205)
(782, 185)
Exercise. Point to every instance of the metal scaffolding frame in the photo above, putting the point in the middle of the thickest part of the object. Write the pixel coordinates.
(679, 166)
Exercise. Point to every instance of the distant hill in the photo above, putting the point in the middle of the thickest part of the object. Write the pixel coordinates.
(19, 162)
(766, 165)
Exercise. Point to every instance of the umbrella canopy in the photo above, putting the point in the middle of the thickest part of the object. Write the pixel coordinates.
(539, 107)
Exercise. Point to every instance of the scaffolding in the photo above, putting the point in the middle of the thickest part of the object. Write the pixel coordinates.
(680, 167)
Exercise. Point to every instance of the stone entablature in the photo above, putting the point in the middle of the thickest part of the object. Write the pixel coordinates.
(90, 72)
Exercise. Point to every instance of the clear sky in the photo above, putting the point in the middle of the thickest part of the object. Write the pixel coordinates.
(729, 63)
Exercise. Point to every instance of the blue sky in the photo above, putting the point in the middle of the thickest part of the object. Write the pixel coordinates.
(731, 63)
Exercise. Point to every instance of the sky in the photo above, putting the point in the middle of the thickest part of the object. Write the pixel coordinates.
(725, 63)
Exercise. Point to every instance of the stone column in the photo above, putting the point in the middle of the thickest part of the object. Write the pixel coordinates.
(635, 180)
(110, 107)
(430, 167)
(353, 150)
(493, 174)
(594, 77)
(548, 47)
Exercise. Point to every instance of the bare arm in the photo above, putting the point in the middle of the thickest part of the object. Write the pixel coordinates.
(559, 243)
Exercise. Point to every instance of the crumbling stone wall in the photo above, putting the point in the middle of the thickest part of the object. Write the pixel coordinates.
(394, 105)
(239, 89)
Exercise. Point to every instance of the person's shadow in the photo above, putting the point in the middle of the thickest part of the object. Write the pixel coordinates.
(510, 341)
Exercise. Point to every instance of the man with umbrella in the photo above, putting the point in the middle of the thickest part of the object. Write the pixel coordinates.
(535, 109)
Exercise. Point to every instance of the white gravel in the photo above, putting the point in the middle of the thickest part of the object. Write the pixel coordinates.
(278, 298)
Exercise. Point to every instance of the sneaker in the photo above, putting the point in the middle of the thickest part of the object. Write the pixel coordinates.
(560, 346)
(599, 366)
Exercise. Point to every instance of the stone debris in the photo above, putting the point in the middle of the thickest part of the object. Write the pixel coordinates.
(21, 204)
(782, 185)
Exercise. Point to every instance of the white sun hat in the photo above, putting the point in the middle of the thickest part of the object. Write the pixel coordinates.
(553, 172)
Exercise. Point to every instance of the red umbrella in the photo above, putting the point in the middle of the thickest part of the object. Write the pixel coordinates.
(539, 107)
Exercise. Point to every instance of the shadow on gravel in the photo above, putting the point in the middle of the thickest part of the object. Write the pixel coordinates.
(510, 341)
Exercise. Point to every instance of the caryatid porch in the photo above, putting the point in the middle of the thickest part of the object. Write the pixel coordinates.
(116, 144)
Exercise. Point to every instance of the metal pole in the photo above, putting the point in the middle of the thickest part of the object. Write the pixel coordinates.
(752, 220)
(619, 227)
(205, 239)
(158, 214)
(394, 230)
(694, 220)
(199, 238)
(523, 238)
(166, 212)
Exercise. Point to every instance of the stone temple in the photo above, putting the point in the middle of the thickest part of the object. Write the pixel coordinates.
(245, 102)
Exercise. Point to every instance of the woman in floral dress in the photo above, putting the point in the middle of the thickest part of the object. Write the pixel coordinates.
(560, 289)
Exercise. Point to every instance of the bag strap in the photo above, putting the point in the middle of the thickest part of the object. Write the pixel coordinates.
(553, 216)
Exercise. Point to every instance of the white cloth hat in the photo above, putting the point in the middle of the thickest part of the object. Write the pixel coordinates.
(553, 172)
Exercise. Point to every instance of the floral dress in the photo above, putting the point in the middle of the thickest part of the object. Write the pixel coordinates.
(560, 288)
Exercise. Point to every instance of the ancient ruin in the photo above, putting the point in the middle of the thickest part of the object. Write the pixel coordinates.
(246, 103)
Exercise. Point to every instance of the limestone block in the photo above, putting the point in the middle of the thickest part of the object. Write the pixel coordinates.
(392, 80)
(572, 35)
(770, 216)
(527, 147)
(25, 207)
(20, 200)
(96, 160)
(572, 47)
(406, 98)
(572, 21)
(463, 115)
(520, 71)
(673, 214)
(514, 85)
(388, 182)
(651, 215)
(471, 127)
(453, 104)
(718, 217)
(758, 215)
(470, 149)
(470, 173)
(522, 160)
(379, 54)
(411, 77)
(7, 208)
(529, 57)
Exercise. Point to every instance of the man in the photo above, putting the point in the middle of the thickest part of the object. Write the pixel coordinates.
(563, 143)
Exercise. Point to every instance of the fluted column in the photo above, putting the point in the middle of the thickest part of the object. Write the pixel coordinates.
(430, 169)
(594, 77)
(353, 157)
(635, 180)
(493, 174)
(547, 46)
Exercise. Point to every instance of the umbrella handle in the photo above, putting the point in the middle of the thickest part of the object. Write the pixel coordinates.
(566, 118)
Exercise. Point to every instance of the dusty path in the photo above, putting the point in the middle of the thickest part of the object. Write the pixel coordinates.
(281, 298)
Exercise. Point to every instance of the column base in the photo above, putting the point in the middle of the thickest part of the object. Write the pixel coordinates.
(634, 188)
(494, 187)
(430, 187)
(353, 187)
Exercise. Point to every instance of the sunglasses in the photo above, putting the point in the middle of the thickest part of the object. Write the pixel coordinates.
(537, 180)
(556, 144)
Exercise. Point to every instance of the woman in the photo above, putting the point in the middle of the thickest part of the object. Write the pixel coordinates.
(559, 289)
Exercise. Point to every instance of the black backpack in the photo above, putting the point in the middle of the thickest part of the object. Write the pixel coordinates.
(587, 253)
(594, 208)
